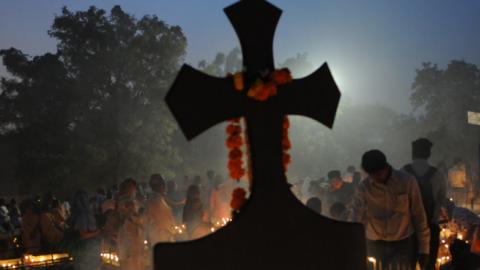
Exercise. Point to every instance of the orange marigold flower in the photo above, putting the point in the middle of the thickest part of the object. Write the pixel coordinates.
(233, 129)
(237, 174)
(286, 144)
(232, 163)
(255, 89)
(287, 159)
(234, 141)
(239, 197)
(270, 88)
(235, 154)
(238, 81)
(267, 90)
(286, 123)
(281, 76)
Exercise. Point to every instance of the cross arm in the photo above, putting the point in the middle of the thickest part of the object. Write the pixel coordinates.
(315, 96)
(199, 101)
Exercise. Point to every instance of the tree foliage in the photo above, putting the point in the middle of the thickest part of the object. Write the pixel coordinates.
(93, 111)
(444, 96)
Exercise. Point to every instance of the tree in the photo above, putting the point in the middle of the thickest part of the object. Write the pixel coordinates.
(106, 83)
(35, 111)
(444, 96)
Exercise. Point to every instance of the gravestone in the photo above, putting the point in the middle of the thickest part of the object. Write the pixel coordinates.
(274, 230)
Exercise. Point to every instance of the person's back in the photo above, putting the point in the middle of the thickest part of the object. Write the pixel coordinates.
(160, 221)
(30, 229)
(426, 177)
(131, 237)
(315, 204)
(193, 210)
(110, 231)
(52, 235)
(83, 217)
(175, 199)
(338, 211)
(432, 184)
(219, 200)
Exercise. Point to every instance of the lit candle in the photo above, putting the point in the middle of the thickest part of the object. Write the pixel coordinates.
(373, 261)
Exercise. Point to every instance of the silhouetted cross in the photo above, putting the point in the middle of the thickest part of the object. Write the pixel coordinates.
(199, 101)
(273, 230)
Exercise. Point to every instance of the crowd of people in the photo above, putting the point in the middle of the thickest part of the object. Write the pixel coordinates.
(126, 219)
(402, 211)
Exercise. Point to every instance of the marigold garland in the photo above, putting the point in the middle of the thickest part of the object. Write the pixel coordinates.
(261, 90)
(234, 143)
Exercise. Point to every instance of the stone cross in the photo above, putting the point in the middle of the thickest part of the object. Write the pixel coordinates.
(274, 230)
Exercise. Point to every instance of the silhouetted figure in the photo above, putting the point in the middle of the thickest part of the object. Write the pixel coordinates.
(348, 178)
(87, 246)
(175, 199)
(338, 211)
(433, 186)
(193, 210)
(15, 215)
(160, 221)
(109, 203)
(315, 204)
(389, 204)
(314, 189)
(52, 231)
(5, 221)
(131, 235)
(338, 190)
(462, 218)
(462, 258)
(30, 232)
(220, 199)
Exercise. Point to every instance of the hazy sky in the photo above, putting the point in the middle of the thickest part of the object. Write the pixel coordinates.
(372, 46)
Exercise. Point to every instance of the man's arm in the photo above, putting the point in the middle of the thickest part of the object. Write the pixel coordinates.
(419, 218)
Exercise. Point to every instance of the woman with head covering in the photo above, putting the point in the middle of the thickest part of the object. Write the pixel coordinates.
(159, 215)
(131, 235)
(30, 231)
(52, 229)
(83, 216)
(193, 210)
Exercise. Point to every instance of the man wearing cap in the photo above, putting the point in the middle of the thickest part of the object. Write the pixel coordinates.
(433, 186)
(389, 204)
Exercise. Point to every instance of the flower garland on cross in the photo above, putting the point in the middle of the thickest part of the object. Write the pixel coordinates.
(261, 90)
